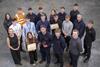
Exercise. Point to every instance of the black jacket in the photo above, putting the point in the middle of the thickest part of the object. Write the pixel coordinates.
(59, 45)
(73, 15)
(90, 35)
(80, 26)
(62, 16)
(32, 17)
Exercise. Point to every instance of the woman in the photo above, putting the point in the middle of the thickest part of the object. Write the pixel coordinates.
(31, 39)
(53, 12)
(14, 46)
(7, 21)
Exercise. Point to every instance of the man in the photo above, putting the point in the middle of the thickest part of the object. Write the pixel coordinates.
(75, 48)
(80, 25)
(67, 27)
(89, 38)
(44, 39)
(28, 27)
(62, 14)
(41, 11)
(74, 12)
(58, 47)
(44, 22)
(31, 16)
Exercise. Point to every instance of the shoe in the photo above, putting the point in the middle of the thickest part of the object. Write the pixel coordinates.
(47, 65)
(34, 64)
(41, 61)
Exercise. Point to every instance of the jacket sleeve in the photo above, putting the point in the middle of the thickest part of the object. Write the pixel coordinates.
(93, 35)
(82, 30)
(79, 45)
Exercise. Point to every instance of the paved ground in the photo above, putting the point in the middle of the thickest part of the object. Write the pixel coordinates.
(89, 8)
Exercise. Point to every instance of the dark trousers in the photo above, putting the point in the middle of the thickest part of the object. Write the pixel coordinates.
(59, 58)
(45, 54)
(33, 56)
(74, 59)
(87, 47)
(67, 39)
(16, 56)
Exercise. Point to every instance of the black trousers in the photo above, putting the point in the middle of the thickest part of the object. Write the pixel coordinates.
(74, 59)
(45, 54)
(67, 39)
(87, 47)
(16, 56)
(59, 58)
(33, 56)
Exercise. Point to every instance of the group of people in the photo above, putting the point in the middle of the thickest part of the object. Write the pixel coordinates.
(62, 32)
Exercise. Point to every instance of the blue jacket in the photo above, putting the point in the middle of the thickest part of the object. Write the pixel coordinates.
(46, 23)
(59, 45)
(80, 26)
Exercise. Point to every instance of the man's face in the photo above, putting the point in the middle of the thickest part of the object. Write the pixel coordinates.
(43, 30)
(30, 11)
(41, 10)
(75, 35)
(57, 34)
(76, 8)
(79, 17)
(62, 10)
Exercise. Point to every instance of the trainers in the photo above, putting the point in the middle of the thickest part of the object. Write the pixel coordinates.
(34, 64)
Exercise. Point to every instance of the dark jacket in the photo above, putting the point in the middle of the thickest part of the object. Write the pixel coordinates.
(32, 17)
(7, 24)
(51, 19)
(62, 16)
(40, 23)
(90, 35)
(59, 45)
(73, 15)
(75, 46)
(80, 26)
(39, 16)
(44, 39)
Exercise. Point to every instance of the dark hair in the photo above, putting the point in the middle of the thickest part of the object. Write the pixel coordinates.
(62, 7)
(91, 21)
(20, 8)
(29, 8)
(75, 4)
(6, 16)
(40, 8)
(75, 30)
(32, 40)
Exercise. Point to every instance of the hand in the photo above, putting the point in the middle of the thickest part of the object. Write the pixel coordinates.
(45, 46)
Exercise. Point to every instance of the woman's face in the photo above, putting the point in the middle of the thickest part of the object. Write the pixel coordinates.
(52, 12)
(7, 16)
(29, 35)
(10, 31)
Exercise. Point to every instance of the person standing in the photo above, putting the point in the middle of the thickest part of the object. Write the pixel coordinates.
(62, 14)
(89, 38)
(74, 12)
(59, 46)
(80, 25)
(31, 39)
(7, 21)
(32, 16)
(67, 27)
(14, 46)
(43, 22)
(75, 48)
(44, 39)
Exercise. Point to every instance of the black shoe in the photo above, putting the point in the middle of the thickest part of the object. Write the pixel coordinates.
(56, 62)
(86, 61)
(47, 65)
(41, 61)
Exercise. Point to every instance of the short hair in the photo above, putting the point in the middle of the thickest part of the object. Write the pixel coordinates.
(76, 4)
(75, 30)
(40, 8)
(91, 21)
(29, 8)
(68, 16)
(57, 30)
(62, 7)
(20, 8)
